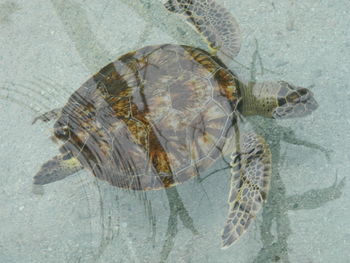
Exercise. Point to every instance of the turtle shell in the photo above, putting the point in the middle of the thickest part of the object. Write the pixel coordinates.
(153, 118)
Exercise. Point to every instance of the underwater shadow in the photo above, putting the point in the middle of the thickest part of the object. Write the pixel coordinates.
(93, 53)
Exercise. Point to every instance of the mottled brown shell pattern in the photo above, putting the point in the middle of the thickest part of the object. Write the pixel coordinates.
(151, 119)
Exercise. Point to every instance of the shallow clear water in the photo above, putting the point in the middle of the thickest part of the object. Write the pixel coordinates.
(48, 48)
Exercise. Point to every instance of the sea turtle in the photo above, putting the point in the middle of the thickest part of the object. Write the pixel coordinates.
(160, 115)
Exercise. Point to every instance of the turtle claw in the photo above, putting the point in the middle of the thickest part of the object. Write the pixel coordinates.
(48, 116)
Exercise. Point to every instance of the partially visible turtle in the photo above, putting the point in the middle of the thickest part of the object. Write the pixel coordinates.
(158, 116)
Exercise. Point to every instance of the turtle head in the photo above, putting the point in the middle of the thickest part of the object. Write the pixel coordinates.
(277, 100)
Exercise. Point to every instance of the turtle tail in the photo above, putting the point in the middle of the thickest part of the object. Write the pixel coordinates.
(58, 168)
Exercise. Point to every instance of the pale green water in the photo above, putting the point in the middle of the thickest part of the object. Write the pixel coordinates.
(48, 48)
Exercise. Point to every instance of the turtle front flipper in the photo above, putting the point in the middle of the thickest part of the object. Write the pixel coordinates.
(251, 175)
(58, 168)
(213, 22)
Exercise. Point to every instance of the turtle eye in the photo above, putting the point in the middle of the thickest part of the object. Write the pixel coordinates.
(293, 97)
(303, 91)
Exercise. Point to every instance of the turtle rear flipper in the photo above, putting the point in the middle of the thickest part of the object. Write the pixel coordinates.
(58, 168)
(213, 22)
(250, 182)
